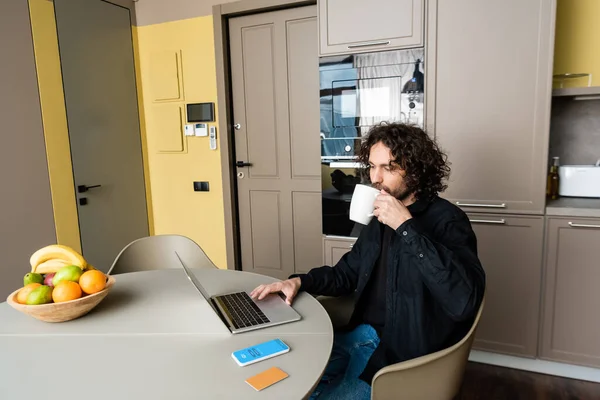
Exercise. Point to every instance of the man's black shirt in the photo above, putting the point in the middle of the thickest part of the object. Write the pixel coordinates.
(372, 302)
(434, 281)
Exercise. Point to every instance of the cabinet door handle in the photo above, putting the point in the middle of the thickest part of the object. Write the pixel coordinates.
(503, 205)
(588, 97)
(488, 221)
(572, 225)
(382, 43)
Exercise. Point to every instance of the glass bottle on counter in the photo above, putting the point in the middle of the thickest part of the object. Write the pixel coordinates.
(553, 180)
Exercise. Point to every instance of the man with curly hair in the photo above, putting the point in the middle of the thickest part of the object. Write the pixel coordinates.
(414, 269)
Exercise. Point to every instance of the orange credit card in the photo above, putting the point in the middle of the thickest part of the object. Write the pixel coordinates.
(266, 378)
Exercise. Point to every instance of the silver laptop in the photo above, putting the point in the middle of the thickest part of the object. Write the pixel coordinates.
(240, 313)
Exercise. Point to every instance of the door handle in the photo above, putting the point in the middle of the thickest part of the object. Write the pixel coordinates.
(84, 188)
(241, 164)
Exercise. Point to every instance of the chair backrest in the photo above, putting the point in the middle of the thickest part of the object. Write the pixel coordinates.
(158, 252)
(435, 376)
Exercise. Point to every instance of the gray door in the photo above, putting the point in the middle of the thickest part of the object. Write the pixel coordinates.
(275, 87)
(96, 55)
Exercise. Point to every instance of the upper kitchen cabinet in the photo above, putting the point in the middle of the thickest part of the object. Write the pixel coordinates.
(576, 43)
(488, 100)
(354, 26)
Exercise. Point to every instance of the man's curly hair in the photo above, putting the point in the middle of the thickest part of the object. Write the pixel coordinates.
(415, 152)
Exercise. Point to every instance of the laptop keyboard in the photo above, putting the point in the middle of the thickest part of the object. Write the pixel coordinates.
(243, 311)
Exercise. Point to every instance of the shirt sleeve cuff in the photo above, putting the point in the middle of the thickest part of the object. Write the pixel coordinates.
(409, 230)
(305, 281)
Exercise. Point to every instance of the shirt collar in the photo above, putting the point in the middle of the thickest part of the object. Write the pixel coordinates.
(419, 206)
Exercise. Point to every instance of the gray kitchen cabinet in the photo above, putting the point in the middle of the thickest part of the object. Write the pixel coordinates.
(571, 327)
(510, 251)
(353, 26)
(335, 248)
(489, 81)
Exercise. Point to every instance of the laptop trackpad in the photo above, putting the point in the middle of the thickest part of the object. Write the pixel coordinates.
(276, 309)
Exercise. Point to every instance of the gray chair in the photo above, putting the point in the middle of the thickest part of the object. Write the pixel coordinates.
(435, 376)
(158, 252)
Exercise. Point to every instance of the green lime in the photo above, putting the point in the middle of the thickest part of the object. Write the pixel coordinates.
(32, 277)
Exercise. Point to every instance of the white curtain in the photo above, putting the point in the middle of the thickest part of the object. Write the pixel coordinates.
(380, 82)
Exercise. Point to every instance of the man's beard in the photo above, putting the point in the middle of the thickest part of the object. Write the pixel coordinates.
(401, 193)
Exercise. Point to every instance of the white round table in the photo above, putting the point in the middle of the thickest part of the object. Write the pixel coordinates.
(155, 337)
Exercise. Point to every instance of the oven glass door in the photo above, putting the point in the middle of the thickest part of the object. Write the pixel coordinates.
(358, 92)
(367, 102)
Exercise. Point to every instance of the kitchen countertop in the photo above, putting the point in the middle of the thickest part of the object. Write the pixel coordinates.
(574, 207)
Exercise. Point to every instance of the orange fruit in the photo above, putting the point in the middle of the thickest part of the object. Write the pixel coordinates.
(66, 291)
(24, 292)
(92, 281)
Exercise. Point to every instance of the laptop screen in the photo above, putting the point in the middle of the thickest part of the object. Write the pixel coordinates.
(193, 279)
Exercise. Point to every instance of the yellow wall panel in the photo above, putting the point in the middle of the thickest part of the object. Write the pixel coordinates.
(166, 130)
(578, 40)
(165, 79)
(176, 207)
(144, 142)
(54, 116)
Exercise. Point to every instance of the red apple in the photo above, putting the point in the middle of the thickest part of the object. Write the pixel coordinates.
(48, 279)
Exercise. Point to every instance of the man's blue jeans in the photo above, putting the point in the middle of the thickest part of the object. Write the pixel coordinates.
(349, 356)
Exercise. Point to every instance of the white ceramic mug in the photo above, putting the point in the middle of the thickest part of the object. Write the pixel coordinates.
(362, 204)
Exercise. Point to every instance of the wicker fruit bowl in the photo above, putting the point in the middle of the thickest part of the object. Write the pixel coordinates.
(65, 311)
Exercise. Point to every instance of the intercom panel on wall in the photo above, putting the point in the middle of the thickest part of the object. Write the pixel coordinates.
(213, 137)
(201, 112)
(201, 129)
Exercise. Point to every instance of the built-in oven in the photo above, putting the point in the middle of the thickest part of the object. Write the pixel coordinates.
(357, 92)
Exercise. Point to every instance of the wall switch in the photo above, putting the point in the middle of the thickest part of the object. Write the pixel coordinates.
(189, 130)
(213, 137)
(201, 129)
(201, 187)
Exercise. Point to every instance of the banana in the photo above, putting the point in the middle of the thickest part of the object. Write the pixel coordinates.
(50, 266)
(56, 252)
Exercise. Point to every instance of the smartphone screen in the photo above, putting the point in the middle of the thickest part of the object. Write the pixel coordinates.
(260, 352)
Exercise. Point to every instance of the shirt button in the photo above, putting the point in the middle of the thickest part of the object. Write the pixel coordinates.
(405, 233)
(421, 255)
